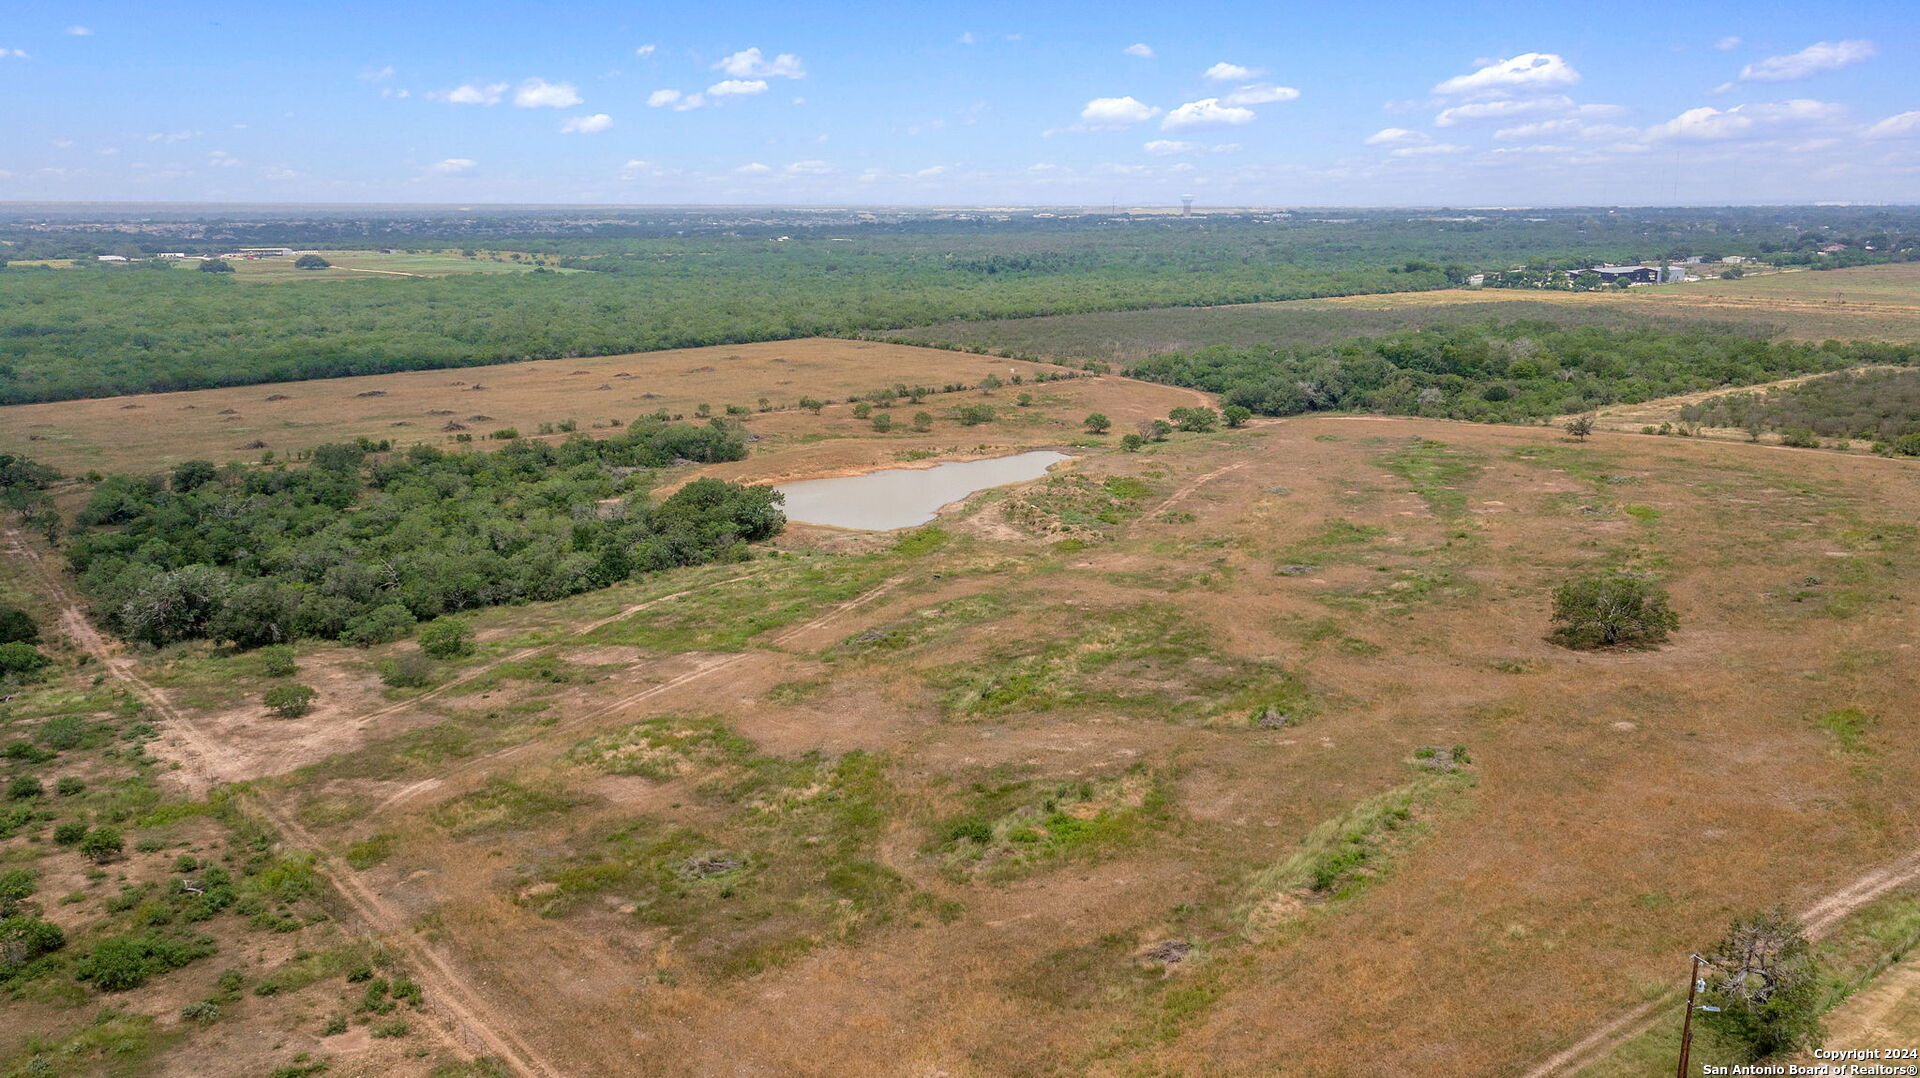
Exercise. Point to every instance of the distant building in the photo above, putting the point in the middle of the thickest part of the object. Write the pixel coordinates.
(171, 256)
(1672, 274)
(113, 258)
(265, 252)
(1734, 260)
(1630, 274)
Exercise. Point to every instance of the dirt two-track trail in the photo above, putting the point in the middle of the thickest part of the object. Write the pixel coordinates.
(464, 1019)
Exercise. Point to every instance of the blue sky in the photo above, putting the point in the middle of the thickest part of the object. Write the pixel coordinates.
(962, 104)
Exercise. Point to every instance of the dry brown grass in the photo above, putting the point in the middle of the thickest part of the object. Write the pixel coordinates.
(151, 431)
(1625, 807)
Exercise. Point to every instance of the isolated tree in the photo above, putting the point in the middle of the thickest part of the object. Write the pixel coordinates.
(1098, 423)
(215, 265)
(446, 639)
(17, 626)
(1580, 427)
(1194, 420)
(311, 261)
(923, 421)
(883, 423)
(1612, 610)
(1237, 415)
(1766, 984)
(1132, 442)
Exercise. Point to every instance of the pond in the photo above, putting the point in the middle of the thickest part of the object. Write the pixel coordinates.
(905, 497)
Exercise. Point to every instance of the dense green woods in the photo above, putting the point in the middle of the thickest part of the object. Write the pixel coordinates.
(1875, 406)
(1495, 372)
(358, 547)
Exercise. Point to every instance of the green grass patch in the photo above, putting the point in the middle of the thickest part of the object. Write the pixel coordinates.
(731, 617)
(1008, 827)
(498, 806)
(1437, 472)
(1849, 727)
(1075, 506)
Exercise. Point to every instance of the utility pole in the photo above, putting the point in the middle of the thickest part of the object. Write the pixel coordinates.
(1686, 1027)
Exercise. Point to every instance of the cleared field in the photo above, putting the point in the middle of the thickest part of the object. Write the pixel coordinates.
(364, 264)
(1144, 768)
(1866, 303)
(149, 431)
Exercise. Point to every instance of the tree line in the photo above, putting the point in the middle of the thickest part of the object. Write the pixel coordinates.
(1501, 372)
(358, 547)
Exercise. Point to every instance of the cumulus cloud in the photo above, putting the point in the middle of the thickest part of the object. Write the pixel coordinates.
(1707, 124)
(1261, 93)
(1226, 72)
(752, 64)
(1398, 136)
(809, 168)
(1436, 148)
(1808, 62)
(471, 93)
(1115, 113)
(1904, 125)
(1172, 147)
(967, 38)
(587, 125)
(222, 159)
(1501, 110)
(1141, 49)
(1206, 112)
(679, 102)
(637, 168)
(1563, 128)
(167, 137)
(931, 171)
(754, 168)
(78, 31)
(1526, 73)
(738, 88)
(14, 54)
(645, 51)
(541, 94)
(1728, 42)
(453, 166)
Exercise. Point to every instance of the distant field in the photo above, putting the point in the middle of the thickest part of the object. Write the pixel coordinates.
(1868, 303)
(140, 433)
(364, 264)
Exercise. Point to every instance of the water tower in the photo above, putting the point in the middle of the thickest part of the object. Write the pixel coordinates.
(1186, 205)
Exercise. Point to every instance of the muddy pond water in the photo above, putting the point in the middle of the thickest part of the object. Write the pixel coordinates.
(905, 497)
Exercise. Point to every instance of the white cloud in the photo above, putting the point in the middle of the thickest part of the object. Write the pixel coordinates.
(1808, 62)
(1426, 151)
(638, 169)
(168, 137)
(751, 64)
(1904, 125)
(753, 169)
(63, 143)
(78, 31)
(380, 74)
(222, 159)
(1206, 112)
(967, 38)
(931, 171)
(1398, 136)
(587, 125)
(738, 88)
(1172, 147)
(1261, 93)
(16, 54)
(541, 94)
(810, 168)
(1728, 42)
(660, 99)
(1115, 113)
(471, 93)
(453, 166)
(645, 51)
(1505, 109)
(1226, 72)
(1563, 128)
(1748, 121)
(1141, 49)
(1529, 71)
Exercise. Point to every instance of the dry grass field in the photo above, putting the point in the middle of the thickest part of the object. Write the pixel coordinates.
(1865, 303)
(1245, 754)
(152, 431)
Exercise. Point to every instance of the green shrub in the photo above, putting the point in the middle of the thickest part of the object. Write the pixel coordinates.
(102, 844)
(1799, 438)
(289, 701)
(1612, 610)
(972, 415)
(446, 639)
(408, 670)
(24, 788)
(19, 657)
(126, 962)
(16, 886)
(381, 625)
(882, 423)
(277, 660)
(1098, 423)
(69, 833)
(23, 939)
(17, 626)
